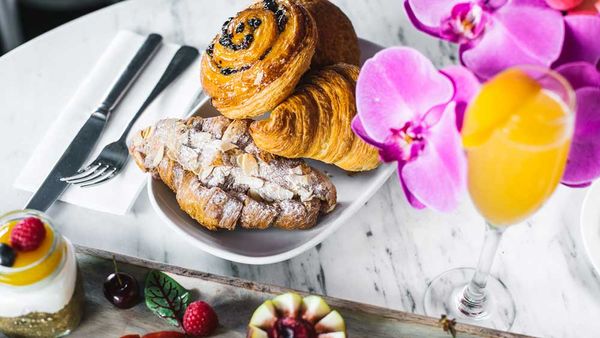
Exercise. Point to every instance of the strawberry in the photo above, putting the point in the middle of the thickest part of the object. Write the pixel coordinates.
(200, 319)
(28, 234)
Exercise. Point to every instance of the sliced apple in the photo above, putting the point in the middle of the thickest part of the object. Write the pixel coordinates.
(255, 332)
(264, 317)
(333, 322)
(314, 308)
(288, 304)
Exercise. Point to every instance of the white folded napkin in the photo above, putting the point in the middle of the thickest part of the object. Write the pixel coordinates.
(117, 195)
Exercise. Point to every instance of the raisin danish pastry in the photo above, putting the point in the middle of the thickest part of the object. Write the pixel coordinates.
(314, 122)
(258, 58)
(222, 180)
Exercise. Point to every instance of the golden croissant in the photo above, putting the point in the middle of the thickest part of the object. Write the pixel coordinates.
(337, 39)
(222, 180)
(258, 58)
(314, 122)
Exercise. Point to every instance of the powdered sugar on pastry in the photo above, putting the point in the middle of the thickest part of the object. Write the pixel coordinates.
(221, 155)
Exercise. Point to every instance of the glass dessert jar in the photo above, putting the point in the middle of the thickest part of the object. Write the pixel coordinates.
(41, 294)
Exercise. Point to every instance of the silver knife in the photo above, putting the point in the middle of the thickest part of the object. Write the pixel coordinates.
(87, 137)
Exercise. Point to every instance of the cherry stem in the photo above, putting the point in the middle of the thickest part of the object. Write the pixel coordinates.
(117, 271)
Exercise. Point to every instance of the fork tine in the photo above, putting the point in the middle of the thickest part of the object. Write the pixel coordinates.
(82, 172)
(94, 174)
(102, 179)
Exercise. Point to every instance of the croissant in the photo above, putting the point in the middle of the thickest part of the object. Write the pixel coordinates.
(258, 58)
(337, 39)
(222, 180)
(315, 121)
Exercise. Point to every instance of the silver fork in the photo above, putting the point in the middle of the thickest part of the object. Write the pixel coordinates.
(113, 157)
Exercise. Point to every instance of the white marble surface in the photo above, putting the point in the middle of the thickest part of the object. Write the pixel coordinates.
(385, 256)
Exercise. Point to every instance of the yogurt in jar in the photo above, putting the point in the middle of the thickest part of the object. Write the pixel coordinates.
(41, 292)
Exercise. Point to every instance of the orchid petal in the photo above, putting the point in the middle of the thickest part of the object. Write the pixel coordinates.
(582, 185)
(466, 87)
(495, 4)
(437, 177)
(398, 85)
(582, 34)
(431, 12)
(435, 31)
(583, 164)
(412, 200)
(359, 130)
(520, 33)
(580, 74)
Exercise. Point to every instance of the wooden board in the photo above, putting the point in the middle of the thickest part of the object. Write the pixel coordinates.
(234, 301)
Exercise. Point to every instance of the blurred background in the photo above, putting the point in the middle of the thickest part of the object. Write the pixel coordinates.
(22, 20)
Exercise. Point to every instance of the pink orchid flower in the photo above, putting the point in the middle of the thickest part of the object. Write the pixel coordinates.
(582, 39)
(579, 63)
(583, 165)
(493, 34)
(408, 110)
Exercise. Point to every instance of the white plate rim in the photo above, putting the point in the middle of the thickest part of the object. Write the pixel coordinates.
(320, 237)
(589, 229)
(387, 170)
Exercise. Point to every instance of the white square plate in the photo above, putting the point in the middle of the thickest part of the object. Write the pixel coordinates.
(272, 245)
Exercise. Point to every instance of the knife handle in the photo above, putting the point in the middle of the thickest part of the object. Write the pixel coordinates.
(184, 56)
(129, 75)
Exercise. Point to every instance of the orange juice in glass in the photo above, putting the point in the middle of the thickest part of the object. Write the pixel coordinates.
(515, 161)
(516, 133)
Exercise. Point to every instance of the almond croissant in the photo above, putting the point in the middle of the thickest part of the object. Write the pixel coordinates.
(222, 180)
(314, 122)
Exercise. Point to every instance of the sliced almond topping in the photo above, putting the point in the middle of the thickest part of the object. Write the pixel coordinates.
(160, 153)
(234, 131)
(274, 192)
(171, 154)
(227, 146)
(303, 179)
(252, 182)
(254, 195)
(206, 172)
(297, 170)
(248, 164)
(147, 132)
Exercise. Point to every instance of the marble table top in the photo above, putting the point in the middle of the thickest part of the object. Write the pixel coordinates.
(386, 255)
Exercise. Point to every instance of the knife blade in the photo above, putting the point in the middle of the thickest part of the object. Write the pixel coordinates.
(84, 142)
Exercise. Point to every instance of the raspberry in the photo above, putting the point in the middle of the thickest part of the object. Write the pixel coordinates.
(200, 319)
(28, 234)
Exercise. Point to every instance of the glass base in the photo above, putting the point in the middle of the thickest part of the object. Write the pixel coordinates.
(445, 292)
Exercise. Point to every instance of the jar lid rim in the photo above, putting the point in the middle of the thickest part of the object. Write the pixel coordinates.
(21, 214)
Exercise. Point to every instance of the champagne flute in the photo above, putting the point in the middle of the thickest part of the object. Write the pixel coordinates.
(517, 133)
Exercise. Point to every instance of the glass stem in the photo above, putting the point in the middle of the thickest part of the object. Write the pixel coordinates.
(473, 300)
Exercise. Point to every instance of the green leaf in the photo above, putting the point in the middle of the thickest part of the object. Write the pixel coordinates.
(165, 297)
